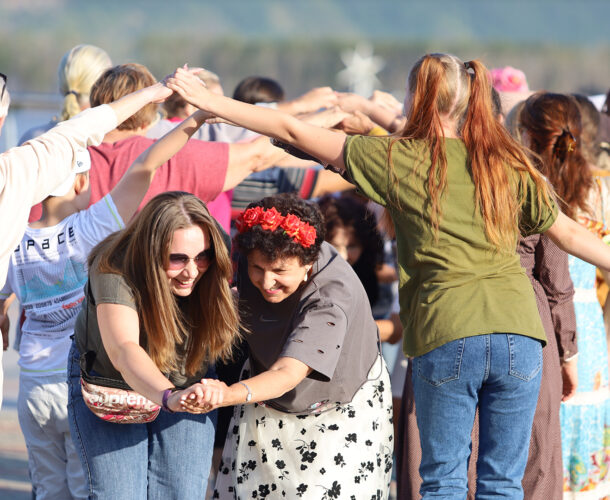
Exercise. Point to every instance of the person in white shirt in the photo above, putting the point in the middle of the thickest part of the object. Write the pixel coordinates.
(48, 272)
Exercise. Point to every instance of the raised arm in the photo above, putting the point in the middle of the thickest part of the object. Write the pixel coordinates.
(319, 142)
(389, 119)
(131, 189)
(131, 103)
(316, 98)
(574, 239)
(249, 157)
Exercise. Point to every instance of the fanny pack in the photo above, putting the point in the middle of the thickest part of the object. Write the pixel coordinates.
(113, 400)
(110, 399)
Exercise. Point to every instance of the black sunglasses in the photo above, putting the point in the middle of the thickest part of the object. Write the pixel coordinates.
(3, 76)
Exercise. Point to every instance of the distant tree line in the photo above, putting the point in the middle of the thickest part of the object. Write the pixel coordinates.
(30, 59)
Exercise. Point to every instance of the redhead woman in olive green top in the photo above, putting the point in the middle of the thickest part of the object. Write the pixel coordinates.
(459, 190)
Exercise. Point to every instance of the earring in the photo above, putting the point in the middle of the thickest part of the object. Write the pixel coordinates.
(306, 272)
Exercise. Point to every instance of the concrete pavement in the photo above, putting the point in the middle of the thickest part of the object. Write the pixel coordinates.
(14, 480)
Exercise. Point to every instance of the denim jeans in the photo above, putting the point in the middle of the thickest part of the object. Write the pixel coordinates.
(501, 374)
(168, 458)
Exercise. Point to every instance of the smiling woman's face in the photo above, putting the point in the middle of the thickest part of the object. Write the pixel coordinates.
(189, 259)
(276, 280)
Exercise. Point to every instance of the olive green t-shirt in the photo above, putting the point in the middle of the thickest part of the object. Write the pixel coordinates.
(459, 285)
(105, 288)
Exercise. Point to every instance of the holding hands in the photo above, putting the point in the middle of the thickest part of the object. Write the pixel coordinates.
(203, 397)
(189, 86)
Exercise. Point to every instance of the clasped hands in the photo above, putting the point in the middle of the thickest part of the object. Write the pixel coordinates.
(203, 397)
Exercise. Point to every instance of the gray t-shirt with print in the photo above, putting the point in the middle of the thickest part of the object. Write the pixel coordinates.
(327, 324)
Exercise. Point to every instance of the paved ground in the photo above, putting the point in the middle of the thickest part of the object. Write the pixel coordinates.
(14, 481)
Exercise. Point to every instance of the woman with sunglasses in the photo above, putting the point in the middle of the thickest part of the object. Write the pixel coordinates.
(158, 312)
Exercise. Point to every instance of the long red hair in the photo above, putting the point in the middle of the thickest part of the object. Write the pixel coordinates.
(441, 87)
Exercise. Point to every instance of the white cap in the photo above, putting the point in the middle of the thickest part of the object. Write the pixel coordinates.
(83, 164)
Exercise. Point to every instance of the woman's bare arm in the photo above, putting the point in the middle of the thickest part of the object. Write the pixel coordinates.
(318, 142)
(574, 239)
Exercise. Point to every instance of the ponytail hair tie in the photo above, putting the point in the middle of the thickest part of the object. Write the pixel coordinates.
(569, 142)
(72, 92)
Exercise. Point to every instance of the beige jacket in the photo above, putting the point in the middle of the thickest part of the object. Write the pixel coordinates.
(28, 173)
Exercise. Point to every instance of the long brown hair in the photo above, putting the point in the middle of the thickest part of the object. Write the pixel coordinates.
(441, 86)
(140, 253)
(553, 126)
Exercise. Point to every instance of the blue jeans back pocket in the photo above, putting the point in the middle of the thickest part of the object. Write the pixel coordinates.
(442, 364)
(525, 356)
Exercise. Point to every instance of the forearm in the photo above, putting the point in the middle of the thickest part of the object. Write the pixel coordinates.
(131, 103)
(386, 329)
(390, 330)
(262, 120)
(139, 371)
(131, 189)
(383, 117)
(330, 182)
(245, 159)
(172, 142)
(387, 119)
(578, 241)
(271, 384)
(317, 98)
(290, 161)
(318, 142)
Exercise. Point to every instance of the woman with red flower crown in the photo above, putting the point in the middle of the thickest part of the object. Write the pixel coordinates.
(313, 409)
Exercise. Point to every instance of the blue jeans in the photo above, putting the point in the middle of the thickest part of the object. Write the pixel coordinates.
(168, 458)
(501, 374)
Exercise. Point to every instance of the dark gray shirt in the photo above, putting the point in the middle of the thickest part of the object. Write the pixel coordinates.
(327, 324)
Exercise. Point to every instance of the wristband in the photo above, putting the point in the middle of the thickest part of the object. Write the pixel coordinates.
(249, 396)
(166, 394)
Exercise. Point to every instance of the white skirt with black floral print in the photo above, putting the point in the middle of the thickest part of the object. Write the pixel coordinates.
(341, 453)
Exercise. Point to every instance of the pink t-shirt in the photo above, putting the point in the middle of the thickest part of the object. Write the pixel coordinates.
(220, 208)
(199, 168)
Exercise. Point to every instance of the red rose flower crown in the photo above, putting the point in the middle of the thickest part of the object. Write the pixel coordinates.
(301, 232)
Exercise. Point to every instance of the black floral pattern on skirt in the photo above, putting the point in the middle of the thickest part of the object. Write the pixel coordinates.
(341, 453)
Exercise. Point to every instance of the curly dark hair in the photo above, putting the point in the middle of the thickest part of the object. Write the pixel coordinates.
(277, 244)
(345, 212)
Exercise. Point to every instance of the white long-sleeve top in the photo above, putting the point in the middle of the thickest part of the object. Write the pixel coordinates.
(28, 173)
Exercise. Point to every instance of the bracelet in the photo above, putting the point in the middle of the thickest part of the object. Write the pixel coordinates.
(249, 396)
(166, 394)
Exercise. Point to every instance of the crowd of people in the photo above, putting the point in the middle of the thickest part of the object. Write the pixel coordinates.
(203, 309)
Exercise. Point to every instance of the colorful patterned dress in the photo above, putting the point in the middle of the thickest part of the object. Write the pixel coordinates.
(585, 419)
